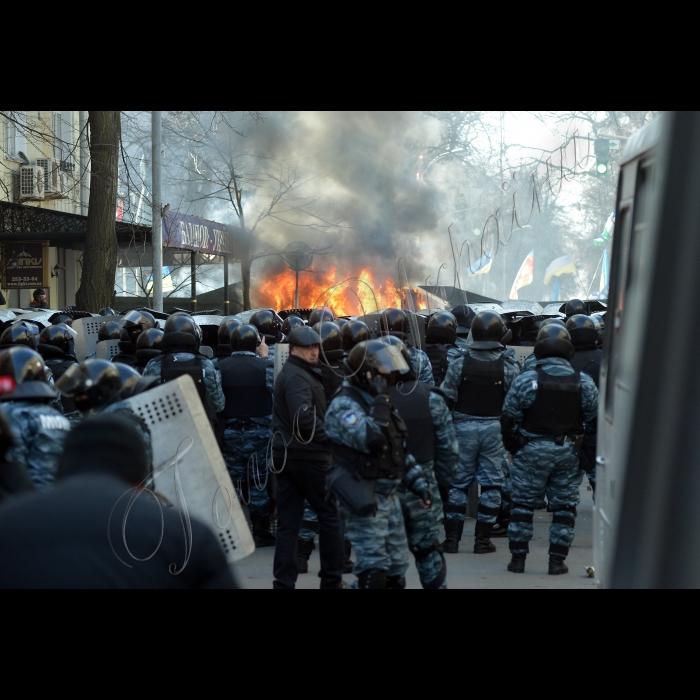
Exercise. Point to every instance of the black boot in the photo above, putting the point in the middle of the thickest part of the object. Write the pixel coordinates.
(374, 578)
(557, 565)
(517, 563)
(482, 538)
(261, 531)
(453, 534)
(304, 549)
(347, 566)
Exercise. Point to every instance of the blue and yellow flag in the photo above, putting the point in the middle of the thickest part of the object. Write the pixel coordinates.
(556, 291)
(481, 267)
(604, 272)
(560, 266)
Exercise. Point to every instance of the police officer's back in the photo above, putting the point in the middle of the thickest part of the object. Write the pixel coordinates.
(223, 348)
(148, 346)
(440, 343)
(585, 338)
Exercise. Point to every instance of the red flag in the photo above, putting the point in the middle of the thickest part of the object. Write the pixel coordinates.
(525, 275)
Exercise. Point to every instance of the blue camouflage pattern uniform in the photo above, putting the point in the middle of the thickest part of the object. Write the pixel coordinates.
(461, 343)
(421, 365)
(480, 444)
(212, 376)
(423, 524)
(453, 352)
(309, 524)
(543, 467)
(39, 431)
(379, 540)
(245, 451)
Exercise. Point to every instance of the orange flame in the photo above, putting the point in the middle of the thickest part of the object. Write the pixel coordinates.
(347, 295)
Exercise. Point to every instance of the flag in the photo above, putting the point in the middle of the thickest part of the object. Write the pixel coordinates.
(604, 272)
(560, 266)
(481, 267)
(606, 236)
(525, 275)
(167, 281)
(556, 291)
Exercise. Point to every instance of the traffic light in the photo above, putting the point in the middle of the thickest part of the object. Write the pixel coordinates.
(602, 155)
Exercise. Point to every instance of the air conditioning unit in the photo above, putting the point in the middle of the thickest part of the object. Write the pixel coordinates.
(63, 189)
(31, 183)
(52, 173)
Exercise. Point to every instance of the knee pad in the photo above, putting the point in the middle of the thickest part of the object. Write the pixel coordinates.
(439, 579)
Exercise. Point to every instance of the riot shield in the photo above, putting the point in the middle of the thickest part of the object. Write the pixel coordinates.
(188, 467)
(106, 349)
(521, 352)
(87, 330)
(209, 325)
(417, 322)
(281, 356)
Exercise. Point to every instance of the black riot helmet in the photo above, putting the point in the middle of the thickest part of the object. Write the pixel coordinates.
(268, 324)
(554, 319)
(331, 342)
(58, 336)
(582, 329)
(133, 322)
(245, 337)
(225, 327)
(23, 375)
(129, 378)
(465, 316)
(352, 333)
(107, 311)
(442, 328)
(304, 337)
(321, 314)
(599, 321)
(19, 334)
(554, 341)
(394, 322)
(149, 340)
(290, 323)
(573, 307)
(376, 357)
(487, 331)
(91, 384)
(182, 323)
(61, 318)
(340, 322)
(109, 330)
(396, 344)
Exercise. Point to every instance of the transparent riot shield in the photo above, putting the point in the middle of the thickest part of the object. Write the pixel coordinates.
(188, 467)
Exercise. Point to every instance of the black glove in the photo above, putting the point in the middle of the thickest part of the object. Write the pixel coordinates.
(377, 386)
(418, 484)
(508, 433)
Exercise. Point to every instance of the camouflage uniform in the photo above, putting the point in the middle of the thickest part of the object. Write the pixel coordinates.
(480, 445)
(309, 525)
(39, 431)
(421, 365)
(212, 377)
(379, 540)
(453, 352)
(423, 524)
(245, 452)
(542, 466)
(461, 343)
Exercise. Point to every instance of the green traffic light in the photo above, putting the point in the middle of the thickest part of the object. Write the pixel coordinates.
(602, 168)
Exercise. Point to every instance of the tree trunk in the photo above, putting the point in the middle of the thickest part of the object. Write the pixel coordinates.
(100, 258)
(244, 253)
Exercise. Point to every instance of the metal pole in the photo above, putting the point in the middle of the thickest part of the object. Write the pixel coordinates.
(296, 292)
(193, 281)
(227, 305)
(157, 208)
(83, 167)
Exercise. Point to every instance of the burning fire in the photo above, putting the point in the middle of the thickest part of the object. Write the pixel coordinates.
(347, 295)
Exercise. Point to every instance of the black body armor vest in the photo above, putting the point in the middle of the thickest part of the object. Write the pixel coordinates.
(557, 407)
(588, 361)
(386, 463)
(437, 354)
(244, 384)
(412, 401)
(482, 389)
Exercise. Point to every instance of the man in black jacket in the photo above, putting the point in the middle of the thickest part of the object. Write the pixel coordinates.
(302, 452)
(76, 535)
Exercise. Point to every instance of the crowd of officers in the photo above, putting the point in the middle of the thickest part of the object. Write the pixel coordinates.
(362, 438)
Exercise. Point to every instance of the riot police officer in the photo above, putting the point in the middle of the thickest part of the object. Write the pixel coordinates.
(433, 444)
(371, 459)
(396, 322)
(352, 333)
(148, 346)
(269, 325)
(440, 347)
(545, 415)
(584, 338)
(248, 386)
(574, 307)
(223, 349)
(180, 355)
(56, 348)
(464, 315)
(39, 429)
(477, 384)
(133, 322)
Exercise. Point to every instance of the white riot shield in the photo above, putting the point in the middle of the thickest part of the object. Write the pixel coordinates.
(281, 355)
(189, 468)
(7, 315)
(521, 353)
(87, 330)
(106, 349)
